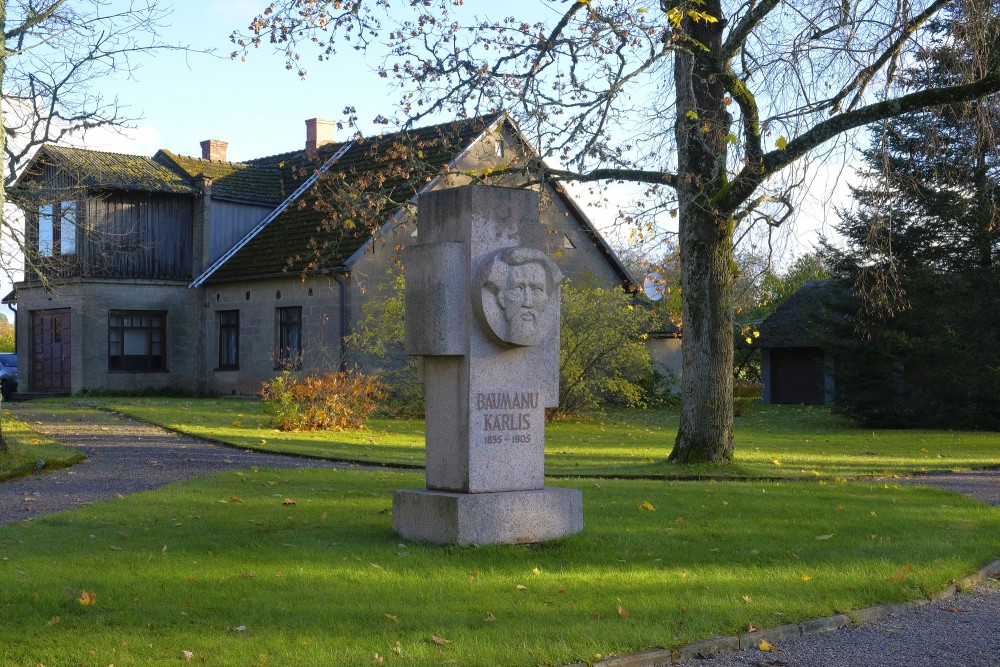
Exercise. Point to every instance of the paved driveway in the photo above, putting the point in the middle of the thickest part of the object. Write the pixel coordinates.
(123, 456)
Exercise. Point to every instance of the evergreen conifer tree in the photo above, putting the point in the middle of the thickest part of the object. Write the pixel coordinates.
(922, 254)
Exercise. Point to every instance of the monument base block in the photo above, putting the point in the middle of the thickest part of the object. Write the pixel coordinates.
(506, 517)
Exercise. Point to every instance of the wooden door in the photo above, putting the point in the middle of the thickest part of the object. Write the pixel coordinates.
(797, 376)
(51, 339)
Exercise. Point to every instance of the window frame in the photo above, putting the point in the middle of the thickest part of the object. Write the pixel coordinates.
(288, 356)
(59, 221)
(233, 329)
(46, 243)
(155, 338)
(67, 226)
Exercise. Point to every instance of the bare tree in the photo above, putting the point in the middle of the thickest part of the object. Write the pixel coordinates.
(55, 56)
(712, 103)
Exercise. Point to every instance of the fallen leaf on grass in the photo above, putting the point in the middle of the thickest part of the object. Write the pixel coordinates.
(805, 576)
(440, 641)
(768, 647)
(87, 598)
(187, 655)
(392, 617)
(748, 599)
(398, 649)
(53, 620)
(247, 575)
(287, 501)
(645, 506)
(823, 537)
(521, 587)
(235, 499)
(490, 617)
(622, 612)
(752, 628)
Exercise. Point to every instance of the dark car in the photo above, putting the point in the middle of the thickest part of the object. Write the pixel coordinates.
(8, 374)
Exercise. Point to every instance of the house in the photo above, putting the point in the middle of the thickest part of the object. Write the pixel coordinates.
(199, 274)
(795, 365)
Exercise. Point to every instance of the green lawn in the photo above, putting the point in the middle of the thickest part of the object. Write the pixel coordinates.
(27, 448)
(226, 568)
(771, 441)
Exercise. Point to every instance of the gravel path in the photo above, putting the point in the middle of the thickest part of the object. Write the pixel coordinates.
(125, 456)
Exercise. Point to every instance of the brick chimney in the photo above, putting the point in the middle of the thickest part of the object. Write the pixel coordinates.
(214, 150)
(319, 133)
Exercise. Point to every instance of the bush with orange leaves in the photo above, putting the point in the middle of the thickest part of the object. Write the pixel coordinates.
(332, 402)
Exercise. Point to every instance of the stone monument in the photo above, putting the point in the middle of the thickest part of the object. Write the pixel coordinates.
(482, 310)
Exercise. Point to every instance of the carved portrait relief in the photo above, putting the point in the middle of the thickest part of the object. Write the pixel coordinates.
(512, 292)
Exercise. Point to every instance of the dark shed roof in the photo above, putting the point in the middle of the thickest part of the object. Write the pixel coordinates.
(804, 317)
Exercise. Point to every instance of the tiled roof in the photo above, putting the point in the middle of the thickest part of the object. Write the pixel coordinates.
(257, 181)
(803, 318)
(340, 212)
(116, 171)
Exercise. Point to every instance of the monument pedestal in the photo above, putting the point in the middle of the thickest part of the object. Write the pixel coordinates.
(503, 517)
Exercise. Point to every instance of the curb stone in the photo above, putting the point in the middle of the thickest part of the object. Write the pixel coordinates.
(705, 648)
(771, 635)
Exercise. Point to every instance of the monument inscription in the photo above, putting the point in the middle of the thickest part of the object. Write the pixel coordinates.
(482, 310)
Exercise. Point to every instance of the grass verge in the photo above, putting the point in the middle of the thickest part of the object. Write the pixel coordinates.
(228, 569)
(27, 448)
(772, 441)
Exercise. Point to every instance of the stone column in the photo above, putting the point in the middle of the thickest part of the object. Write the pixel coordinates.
(482, 309)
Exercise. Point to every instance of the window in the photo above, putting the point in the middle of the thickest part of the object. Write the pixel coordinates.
(290, 337)
(57, 229)
(229, 339)
(137, 340)
(46, 230)
(67, 228)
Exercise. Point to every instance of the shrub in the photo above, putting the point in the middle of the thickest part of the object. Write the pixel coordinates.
(744, 394)
(335, 401)
(603, 357)
(6, 337)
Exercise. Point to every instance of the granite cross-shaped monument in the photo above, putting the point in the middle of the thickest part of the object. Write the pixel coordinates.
(482, 310)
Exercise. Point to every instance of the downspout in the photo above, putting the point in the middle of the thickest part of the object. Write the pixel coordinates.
(338, 275)
(13, 310)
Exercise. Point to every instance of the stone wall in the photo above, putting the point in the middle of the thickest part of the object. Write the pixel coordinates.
(258, 302)
(89, 342)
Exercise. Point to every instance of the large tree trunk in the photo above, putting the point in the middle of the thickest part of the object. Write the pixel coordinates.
(706, 246)
(706, 427)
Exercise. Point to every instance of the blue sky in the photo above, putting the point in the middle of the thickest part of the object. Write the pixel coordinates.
(259, 107)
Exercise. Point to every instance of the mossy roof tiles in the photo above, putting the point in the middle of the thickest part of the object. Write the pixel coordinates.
(338, 214)
(326, 224)
(256, 181)
(116, 171)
